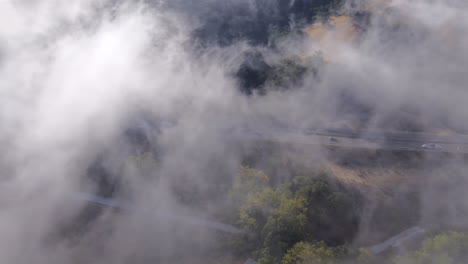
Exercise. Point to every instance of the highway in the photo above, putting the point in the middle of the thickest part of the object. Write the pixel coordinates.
(353, 139)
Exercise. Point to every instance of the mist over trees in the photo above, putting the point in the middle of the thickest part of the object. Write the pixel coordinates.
(258, 21)
(177, 131)
(448, 247)
(307, 208)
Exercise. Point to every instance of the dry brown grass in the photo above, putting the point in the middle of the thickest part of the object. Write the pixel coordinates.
(375, 177)
(340, 28)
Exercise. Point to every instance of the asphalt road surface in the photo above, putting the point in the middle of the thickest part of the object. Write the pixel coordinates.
(394, 141)
(397, 240)
(163, 215)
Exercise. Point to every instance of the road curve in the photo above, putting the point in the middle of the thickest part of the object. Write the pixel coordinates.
(183, 219)
(397, 240)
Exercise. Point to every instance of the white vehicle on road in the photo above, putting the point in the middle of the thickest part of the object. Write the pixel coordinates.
(431, 146)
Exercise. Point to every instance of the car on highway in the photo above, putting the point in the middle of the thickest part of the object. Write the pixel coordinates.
(431, 146)
(332, 139)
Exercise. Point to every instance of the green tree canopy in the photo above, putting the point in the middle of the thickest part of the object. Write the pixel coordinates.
(308, 253)
(446, 248)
